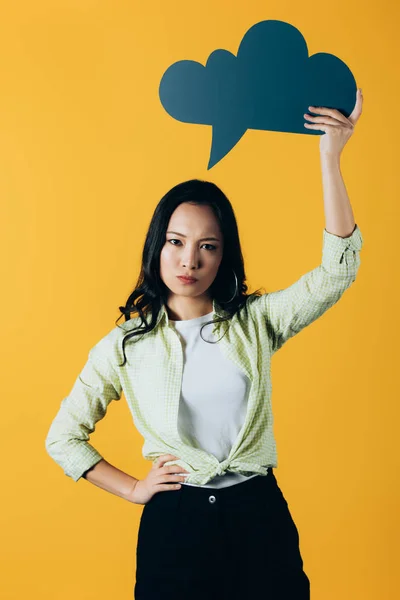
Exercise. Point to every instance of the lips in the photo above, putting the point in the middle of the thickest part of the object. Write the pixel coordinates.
(189, 279)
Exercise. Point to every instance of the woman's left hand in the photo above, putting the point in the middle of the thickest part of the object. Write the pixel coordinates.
(338, 128)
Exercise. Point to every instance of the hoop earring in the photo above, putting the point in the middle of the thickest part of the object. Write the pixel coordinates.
(236, 289)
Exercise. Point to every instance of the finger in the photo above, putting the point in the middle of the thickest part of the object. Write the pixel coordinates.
(165, 457)
(171, 479)
(328, 121)
(355, 115)
(170, 488)
(176, 477)
(330, 112)
(324, 128)
(176, 469)
(160, 460)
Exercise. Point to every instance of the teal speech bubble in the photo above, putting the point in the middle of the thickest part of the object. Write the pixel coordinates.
(268, 86)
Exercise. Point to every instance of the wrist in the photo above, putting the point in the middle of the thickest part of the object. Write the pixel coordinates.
(128, 495)
(330, 157)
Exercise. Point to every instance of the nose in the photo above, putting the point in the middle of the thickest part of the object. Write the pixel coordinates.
(189, 264)
(189, 260)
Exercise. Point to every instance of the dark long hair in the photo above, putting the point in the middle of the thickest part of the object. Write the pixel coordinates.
(150, 292)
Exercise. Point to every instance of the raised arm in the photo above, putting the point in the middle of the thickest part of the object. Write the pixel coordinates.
(337, 130)
(288, 311)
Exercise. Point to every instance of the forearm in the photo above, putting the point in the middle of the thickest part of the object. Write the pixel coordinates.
(111, 479)
(339, 216)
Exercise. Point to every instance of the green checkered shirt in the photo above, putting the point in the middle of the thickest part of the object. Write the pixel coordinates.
(151, 378)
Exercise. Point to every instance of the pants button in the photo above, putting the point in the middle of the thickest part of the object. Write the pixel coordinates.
(212, 499)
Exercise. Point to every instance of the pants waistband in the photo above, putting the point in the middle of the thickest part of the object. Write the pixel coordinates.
(198, 496)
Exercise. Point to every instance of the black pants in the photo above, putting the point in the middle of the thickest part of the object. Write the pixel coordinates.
(238, 542)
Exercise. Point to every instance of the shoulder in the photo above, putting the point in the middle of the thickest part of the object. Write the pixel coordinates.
(254, 303)
(110, 345)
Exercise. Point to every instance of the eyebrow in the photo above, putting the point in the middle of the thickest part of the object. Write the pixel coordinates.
(201, 240)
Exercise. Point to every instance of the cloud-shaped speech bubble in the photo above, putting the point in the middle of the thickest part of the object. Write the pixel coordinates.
(268, 85)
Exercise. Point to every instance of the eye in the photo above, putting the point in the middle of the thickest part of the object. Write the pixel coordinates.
(211, 245)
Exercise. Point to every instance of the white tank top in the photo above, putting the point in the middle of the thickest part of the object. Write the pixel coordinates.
(213, 399)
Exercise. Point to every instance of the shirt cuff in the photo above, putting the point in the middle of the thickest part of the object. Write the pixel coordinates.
(340, 256)
(84, 460)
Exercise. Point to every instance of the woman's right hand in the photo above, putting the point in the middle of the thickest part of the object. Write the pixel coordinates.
(159, 479)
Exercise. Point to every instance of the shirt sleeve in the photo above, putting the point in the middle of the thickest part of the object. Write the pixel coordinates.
(67, 439)
(288, 311)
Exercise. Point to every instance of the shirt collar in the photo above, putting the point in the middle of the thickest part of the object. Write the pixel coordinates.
(218, 311)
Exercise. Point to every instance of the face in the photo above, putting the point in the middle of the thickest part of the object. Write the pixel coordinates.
(190, 250)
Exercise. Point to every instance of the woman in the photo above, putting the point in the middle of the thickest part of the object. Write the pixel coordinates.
(194, 365)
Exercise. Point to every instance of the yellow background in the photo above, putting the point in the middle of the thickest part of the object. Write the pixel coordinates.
(86, 153)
